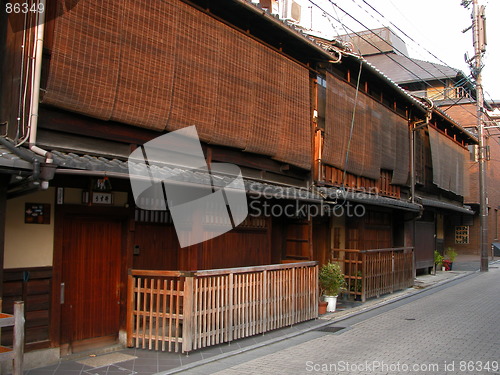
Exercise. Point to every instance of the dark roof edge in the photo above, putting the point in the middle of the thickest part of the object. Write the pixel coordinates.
(447, 206)
(336, 194)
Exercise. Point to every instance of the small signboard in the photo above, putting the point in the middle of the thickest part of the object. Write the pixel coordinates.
(102, 198)
(37, 213)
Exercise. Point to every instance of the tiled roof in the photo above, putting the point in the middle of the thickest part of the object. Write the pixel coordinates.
(10, 160)
(71, 163)
(403, 69)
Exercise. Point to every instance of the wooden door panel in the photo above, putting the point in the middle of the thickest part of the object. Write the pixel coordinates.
(91, 277)
(424, 244)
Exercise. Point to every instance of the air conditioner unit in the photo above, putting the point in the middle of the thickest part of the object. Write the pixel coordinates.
(290, 10)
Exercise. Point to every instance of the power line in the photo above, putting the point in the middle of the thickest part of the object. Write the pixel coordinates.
(377, 48)
(406, 35)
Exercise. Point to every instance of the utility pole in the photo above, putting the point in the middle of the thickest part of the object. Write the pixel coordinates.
(479, 40)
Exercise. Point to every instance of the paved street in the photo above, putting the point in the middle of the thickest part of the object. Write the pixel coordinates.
(452, 329)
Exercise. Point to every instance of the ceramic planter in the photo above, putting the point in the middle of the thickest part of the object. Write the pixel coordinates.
(322, 307)
(332, 303)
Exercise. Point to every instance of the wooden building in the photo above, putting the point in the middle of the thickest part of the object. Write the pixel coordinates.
(314, 129)
(454, 93)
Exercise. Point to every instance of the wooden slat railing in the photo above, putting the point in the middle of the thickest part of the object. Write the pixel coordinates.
(154, 314)
(172, 311)
(371, 273)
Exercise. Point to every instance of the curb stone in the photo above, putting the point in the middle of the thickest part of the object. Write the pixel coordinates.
(327, 320)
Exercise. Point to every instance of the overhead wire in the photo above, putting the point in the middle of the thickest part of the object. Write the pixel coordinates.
(373, 45)
(406, 35)
(377, 48)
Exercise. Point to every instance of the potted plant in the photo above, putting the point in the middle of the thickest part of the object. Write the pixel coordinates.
(438, 260)
(331, 282)
(322, 305)
(449, 257)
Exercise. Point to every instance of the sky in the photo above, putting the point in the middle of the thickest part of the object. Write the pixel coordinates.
(434, 26)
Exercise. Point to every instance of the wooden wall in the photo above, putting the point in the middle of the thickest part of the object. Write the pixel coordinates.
(156, 247)
(237, 248)
(372, 231)
(33, 286)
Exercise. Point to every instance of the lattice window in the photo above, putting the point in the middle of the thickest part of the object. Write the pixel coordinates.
(462, 234)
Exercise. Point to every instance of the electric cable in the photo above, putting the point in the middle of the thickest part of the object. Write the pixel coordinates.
(376, 47)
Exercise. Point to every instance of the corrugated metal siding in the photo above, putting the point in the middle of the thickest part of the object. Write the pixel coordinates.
(163, 65)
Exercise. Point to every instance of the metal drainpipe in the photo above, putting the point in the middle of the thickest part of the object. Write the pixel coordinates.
(35, 100)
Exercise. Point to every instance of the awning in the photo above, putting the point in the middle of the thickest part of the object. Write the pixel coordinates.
(335, 194)
(70, 163)
(446, 206)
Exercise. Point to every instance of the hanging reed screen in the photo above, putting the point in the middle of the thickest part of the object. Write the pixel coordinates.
(449, 161)
(164, 65)
(376, 139)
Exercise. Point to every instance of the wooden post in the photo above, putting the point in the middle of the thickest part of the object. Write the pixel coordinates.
(264, 301)
(130, 310)
(18, 346)
(4, 181)
(188, 315)
(230, 306)
(363, 277)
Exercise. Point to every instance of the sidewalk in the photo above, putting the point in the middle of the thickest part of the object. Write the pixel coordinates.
(144, 362)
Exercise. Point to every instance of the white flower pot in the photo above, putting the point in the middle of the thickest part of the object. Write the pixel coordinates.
(332, 303)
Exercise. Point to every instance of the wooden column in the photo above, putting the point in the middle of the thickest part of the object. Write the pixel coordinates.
(4, 180)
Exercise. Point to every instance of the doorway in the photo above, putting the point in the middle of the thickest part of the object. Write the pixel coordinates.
(90, 282)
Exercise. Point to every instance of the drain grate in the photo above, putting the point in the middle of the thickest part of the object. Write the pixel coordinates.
(106, 370)
(330, 329)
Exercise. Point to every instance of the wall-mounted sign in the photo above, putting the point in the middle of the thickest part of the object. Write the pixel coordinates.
(102, 198)
(37, 213)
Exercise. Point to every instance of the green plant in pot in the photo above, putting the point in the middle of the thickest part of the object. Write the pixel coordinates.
(450, 256)
(438, 260)
(331, 283)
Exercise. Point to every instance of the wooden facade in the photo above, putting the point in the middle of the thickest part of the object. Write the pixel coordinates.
(372, 273)
(263, 97)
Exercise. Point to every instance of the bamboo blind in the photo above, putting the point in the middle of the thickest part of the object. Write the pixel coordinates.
(379, 138)
(164, 65)
(84, 70)
(449, 161)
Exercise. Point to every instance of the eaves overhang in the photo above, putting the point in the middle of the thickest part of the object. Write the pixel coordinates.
(337, 196)
(426, 202)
